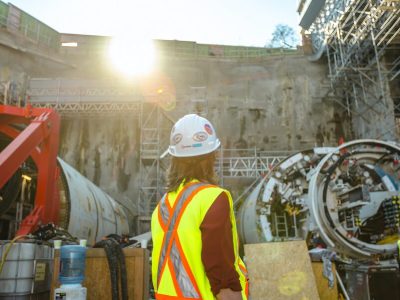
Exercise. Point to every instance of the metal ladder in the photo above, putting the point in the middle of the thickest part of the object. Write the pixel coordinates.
(281, 226)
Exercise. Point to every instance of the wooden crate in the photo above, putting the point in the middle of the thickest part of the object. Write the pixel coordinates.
(280, 270)
(97, 274)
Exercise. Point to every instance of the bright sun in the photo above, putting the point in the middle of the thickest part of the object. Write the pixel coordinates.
(132, 56)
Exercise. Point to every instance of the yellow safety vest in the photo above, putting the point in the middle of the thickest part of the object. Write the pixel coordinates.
(177, 268)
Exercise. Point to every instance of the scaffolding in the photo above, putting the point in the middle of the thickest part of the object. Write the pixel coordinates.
(247, 163)
(87, 110)
(85, 98)
(361, 41)
(150, 163)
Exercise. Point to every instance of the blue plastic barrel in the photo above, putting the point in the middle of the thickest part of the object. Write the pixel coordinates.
(72, 264)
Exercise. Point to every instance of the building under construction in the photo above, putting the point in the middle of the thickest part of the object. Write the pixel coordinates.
(270, 108)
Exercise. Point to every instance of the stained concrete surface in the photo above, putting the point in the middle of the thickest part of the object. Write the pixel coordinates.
(271, 103)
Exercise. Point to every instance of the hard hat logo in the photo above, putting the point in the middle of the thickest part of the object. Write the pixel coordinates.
(176, 139)
(200, 136)
(192, 135)
(208, 128)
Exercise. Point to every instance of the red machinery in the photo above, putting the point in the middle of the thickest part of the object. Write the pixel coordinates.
(34, 133)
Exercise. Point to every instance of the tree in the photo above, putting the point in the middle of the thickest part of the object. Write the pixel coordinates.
(283, 36)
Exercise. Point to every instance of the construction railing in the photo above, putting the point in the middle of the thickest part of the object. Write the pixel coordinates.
(17, 21)
(3, 14)
(186, 49)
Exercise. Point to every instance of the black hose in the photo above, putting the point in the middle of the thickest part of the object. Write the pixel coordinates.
(117, 266)
(112, 265)
(122, 269)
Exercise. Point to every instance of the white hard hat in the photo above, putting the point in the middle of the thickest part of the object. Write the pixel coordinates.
(192, 135)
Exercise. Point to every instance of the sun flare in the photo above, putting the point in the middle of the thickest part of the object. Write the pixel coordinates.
(132, 57)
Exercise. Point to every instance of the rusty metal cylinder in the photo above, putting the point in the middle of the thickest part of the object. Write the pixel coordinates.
(86, 211)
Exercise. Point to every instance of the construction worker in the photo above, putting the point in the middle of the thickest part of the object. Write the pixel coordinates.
(195, 242)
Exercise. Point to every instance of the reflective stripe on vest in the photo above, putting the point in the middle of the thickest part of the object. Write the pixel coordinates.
(169, 248)
(242, 268)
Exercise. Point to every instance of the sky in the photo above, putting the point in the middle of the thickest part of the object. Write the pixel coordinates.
(225, 22)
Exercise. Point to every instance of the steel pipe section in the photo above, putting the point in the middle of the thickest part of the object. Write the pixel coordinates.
(85, 210)
(344, 197)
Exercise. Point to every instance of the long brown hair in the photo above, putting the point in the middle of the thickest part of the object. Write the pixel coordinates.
(189, 168)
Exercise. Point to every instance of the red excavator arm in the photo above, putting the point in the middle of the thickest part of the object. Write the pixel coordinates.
(35, 133)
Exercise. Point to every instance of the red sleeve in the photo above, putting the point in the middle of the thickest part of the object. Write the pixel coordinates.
(217, 251)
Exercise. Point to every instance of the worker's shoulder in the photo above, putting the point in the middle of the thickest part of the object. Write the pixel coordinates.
(217, 189)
